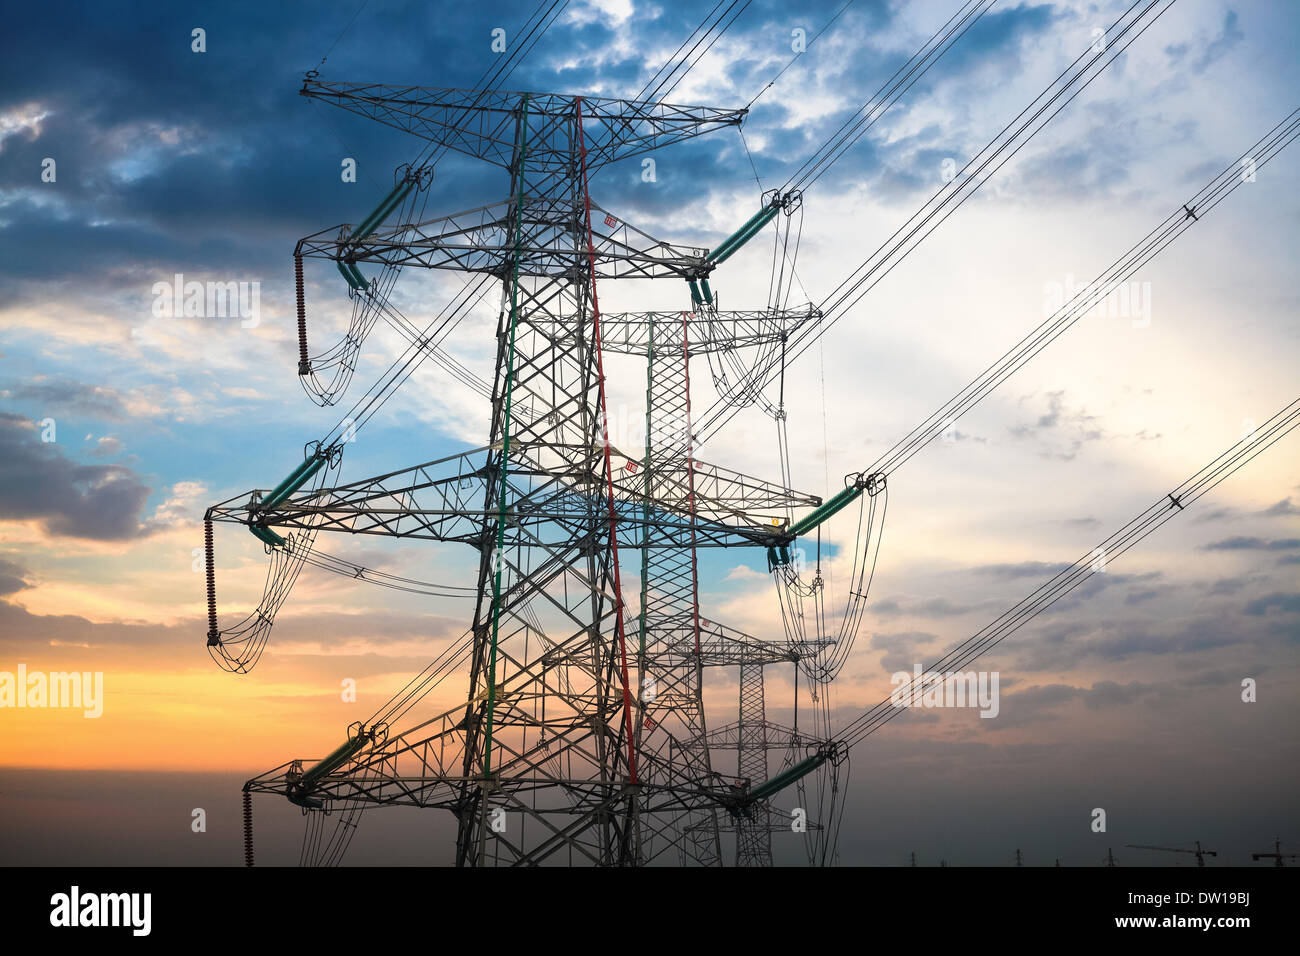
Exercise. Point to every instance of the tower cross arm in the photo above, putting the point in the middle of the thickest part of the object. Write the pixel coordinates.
(481, 123)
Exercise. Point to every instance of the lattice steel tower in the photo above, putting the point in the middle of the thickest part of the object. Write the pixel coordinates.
(583, 737)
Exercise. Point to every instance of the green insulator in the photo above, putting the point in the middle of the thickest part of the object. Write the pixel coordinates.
(347, 275)
(292, 476)
(267, 535)
(786, 777)
(382, 211)
(371, 220)
(336, 759)
(358, 280)
(735, 236)
(825, 511)
(295, 481)
(744, 237)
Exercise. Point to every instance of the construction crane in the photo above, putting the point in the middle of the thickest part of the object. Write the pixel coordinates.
(1200, 853)
(1277, 856)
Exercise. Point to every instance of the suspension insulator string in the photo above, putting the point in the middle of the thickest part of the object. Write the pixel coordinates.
(214, 634)
(304, 364)
(248, 828)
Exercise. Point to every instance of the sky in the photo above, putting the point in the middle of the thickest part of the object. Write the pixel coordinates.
(119, 427)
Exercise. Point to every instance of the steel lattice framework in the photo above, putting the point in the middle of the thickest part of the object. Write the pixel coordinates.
(583, 721)
(586, 722)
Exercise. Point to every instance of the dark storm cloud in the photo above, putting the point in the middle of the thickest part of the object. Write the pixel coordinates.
(13, 577)
(911, 163)
(1226, 586)
(38, 482)
(170, 160)
(930, 607)
(1129, 590)
(1084, 522)
(1281, 509)
(1244, 543)
(1022, 569)
(902, 649)
(1112, 139)
(175, 161)
(98, 402)
(1139, 597)
(1096, 583)
(107, 447)
(1001, 38)
(1070, 644)
(1033, 704)
(1283, 603)
(22, 630)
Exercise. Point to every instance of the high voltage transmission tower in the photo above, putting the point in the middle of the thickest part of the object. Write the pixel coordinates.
(584, 737)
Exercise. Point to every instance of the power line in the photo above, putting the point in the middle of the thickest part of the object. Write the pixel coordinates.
(999, 150)
(345, 29)
(1138, 529)
(772, 82)
(1087, 298)
(902, 80)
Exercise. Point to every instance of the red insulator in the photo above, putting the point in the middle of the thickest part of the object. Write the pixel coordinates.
(248, 828)
(214, 634)
(304, 364)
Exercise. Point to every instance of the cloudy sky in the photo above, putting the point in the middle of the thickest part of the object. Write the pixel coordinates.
(1127, 696)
